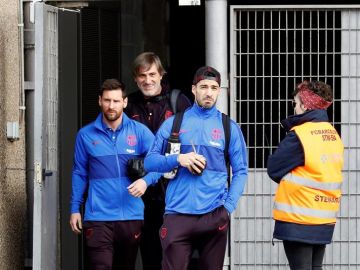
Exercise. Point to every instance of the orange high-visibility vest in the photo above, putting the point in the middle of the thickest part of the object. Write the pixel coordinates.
(310, 194)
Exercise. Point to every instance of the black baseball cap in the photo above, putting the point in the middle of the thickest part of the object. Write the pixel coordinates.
(206, 73)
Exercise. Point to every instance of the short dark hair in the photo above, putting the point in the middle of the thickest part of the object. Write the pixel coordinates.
(145, 60)
(318, 87)
(113, 84)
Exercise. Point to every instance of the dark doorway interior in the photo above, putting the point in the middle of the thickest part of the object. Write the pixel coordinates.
(100, 55)
(68, 125)
(187, 44)
(109, 36)
(176, 33)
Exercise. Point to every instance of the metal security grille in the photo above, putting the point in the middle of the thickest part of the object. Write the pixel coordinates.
(51, 88)
(272, 49)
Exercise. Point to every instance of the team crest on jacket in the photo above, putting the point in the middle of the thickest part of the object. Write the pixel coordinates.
(95, 142)
(216, 134)
(131, 140)
(168, 114)
(163, 232)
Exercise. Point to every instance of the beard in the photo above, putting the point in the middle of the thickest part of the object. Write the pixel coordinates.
(112, 115)
(206, 103)
(150, 91)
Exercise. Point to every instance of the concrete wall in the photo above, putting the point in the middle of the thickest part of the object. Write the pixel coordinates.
(12, 154)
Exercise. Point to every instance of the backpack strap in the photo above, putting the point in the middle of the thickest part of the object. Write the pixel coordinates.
(226, 125)
(177, 123)
(174, 94)
(227, 130)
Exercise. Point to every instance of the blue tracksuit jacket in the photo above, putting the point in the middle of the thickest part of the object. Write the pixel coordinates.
(100, 169)
(191, 194)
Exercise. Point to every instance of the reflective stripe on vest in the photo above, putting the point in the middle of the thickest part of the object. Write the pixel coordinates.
(304, 211)
(303, 181)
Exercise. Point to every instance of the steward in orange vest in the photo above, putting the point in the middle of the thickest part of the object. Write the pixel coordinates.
(309, 193)
(307, 165)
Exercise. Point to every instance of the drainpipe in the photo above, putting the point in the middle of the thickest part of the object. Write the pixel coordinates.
(21, 63)
(216, 46)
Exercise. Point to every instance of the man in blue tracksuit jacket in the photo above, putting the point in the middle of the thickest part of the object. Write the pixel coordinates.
(113, 210)
(198, 201)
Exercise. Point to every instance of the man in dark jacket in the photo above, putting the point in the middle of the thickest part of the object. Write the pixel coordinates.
(152, 106)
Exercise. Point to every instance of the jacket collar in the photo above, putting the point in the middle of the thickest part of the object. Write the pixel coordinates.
(100, 125)
(155, 99)
(309, 116)
(202, 112)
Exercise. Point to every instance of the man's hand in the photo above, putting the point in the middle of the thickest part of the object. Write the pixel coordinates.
(75, 223)
(137, 188)
(193, 162)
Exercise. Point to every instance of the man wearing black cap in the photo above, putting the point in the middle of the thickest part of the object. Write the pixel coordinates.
(198, 200)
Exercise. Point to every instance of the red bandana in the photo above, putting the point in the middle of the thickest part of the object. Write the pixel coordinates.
(311, 100)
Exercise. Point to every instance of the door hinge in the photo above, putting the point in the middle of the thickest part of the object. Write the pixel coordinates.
(38, 175)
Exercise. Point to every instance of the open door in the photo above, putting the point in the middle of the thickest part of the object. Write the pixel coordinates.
(45, 224)
(47, 125)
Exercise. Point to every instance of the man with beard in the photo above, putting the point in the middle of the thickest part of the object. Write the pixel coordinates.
(198, 200)
(113, 210)
(151, 106)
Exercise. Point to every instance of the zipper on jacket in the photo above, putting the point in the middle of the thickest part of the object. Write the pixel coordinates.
(119, 173)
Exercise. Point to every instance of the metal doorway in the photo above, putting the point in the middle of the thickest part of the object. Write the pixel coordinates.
(52, 137)
(272, 49)
(45, 225)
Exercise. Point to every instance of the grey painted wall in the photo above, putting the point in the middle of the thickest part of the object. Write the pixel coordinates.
(12, 154)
